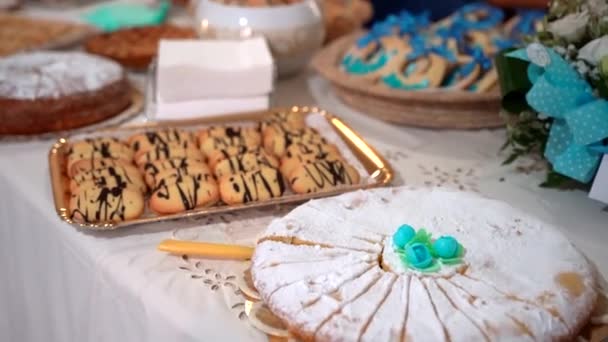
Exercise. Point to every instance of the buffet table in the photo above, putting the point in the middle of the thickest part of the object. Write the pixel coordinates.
(62, 284)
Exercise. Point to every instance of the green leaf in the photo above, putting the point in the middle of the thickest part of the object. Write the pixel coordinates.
(510, 159)
(602, 87)
(422, 236)
(514, 83)
(554, 180)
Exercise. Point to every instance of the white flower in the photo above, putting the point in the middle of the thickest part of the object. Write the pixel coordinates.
(595, 74)
(593, 51)
(571, 27)
(597, 7)
(581, 67)
(560, 50)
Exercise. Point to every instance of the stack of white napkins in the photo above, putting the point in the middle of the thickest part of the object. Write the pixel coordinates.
(197, 78)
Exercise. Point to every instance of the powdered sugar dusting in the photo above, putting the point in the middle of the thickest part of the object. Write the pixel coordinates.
(55, 74)
(507, 288)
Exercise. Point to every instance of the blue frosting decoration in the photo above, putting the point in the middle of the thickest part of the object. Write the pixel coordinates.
(419, 48)
(418, 250)
(409, 70)
(493, 18)
(480, 58)
(378, 30)
(358, 66)
(580, 119)
(404, 234)
(527, 19)
(394, 81)
(446, 247)
(418, 255)
(503, 43)
(456, 30)
(444, 52)
(411, 23)
(404, 23)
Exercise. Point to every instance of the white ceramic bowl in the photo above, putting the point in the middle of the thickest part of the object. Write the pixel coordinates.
(294, 32)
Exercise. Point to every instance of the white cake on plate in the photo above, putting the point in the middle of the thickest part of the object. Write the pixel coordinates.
(332, 270)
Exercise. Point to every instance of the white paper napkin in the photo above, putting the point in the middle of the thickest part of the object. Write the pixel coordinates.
(205, 69)
(599, 189)
(208, 107)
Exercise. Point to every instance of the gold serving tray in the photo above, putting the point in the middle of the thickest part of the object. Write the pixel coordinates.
(379, 171)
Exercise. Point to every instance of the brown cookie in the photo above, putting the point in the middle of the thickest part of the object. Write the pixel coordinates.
(298, 149)
(94, 203)
(112, 176)
(98, 148)
(284, 119)
(153, 169)
(487, 81)
(288, 165)
(215, 138)
(211, 145)
(243, 163)
(86, 165)
(258, 185)
(172, 151)
(322, 175)
(299, 153)
(465, 81)
(218, 155)
(435, 68)
(143, 142)
(171, 176)
(276, 141)
(188, 193)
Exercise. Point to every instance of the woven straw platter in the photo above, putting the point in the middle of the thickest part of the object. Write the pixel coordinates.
(447, 109)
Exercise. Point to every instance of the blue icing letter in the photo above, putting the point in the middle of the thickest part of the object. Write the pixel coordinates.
(393, 81)
(358, 66)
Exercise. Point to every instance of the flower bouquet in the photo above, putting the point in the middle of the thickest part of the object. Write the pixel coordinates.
(555, 92)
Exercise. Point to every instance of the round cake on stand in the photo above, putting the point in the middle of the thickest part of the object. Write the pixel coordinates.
(424, 265)
(54, 91)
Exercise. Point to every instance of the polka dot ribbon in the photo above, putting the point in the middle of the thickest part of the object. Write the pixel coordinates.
(580, 124)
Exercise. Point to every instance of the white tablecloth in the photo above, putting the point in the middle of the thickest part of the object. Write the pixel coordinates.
(61, 284)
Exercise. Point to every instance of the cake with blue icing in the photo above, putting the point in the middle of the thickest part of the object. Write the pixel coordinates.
(410, 264)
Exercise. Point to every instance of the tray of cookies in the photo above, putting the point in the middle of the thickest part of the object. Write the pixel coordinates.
(159, 171)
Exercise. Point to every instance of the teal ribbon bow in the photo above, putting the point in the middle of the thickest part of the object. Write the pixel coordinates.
(580, 119)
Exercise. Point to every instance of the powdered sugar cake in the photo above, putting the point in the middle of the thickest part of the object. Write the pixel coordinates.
(52, 91)
(329, 270)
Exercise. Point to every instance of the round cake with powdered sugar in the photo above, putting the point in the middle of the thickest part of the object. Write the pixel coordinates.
(52, 91)
(409, 264)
